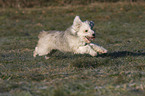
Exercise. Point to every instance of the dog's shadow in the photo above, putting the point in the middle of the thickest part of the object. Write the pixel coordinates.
(91, 62)
(87, 61)
(122, 54)
(115, 54)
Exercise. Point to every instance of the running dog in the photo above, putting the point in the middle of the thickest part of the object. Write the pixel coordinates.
(76, 39)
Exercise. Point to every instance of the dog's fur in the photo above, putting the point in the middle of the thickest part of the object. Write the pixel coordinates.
(76, 39)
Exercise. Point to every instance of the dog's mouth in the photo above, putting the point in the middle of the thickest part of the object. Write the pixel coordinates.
(88, 39)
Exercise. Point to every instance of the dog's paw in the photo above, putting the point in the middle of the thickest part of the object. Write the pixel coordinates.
(103, 51)
(93, 54)
(46, 57)
(34, 54)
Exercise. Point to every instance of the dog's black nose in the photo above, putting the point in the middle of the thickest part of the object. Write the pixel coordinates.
(93, 35)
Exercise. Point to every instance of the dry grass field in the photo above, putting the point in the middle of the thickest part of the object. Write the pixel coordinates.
(120, 28)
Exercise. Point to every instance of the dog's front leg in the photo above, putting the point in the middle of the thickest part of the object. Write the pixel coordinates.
(86, 50)
(98, 48)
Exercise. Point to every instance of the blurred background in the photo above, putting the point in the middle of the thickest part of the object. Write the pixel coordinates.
(45, 3)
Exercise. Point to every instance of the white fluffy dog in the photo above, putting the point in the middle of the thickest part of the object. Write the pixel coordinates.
(76, 39)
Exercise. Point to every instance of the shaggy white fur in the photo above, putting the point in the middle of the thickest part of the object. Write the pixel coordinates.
(76, 39)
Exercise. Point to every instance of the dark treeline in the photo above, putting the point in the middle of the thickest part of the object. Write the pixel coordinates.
(45, 3)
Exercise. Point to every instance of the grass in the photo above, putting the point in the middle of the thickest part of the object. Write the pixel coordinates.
(121, 72)
(46, 3)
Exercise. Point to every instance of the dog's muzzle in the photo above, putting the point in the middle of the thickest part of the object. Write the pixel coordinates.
(88, 39)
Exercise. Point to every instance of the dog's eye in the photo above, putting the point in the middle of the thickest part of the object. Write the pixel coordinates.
(86, 30)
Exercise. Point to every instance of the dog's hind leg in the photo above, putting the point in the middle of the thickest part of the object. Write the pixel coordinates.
(35, 52)
(41, 51)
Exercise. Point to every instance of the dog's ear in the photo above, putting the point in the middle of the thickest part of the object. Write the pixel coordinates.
(91, 24)
(77, 23)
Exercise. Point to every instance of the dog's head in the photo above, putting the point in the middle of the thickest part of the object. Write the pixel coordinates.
(83, 29)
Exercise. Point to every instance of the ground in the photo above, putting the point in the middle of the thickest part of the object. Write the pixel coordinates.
(120, 28)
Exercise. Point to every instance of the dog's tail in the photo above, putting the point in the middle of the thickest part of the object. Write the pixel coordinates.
(42, 34)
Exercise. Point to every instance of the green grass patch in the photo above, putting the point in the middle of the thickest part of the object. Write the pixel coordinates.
(119, 28)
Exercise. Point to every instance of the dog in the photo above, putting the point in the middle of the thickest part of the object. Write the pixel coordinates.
(76, 39)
